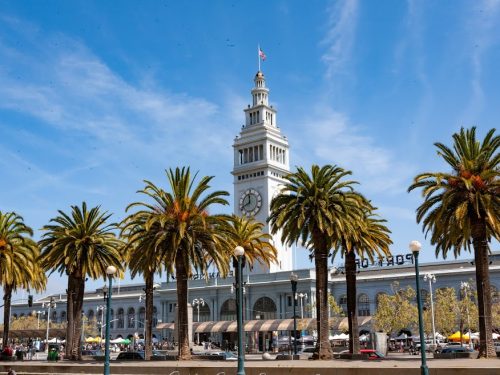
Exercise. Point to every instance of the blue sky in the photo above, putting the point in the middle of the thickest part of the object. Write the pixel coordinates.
(97, 96)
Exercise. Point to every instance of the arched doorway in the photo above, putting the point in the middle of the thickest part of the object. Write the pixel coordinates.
(263, 309)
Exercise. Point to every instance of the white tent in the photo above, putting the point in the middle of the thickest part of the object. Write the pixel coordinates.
(495, 336)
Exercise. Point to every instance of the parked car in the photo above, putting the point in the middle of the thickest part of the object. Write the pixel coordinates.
(226, 356)
(92, 352)
(139, 356)
(456, 349)
(372, 354)
(307, 352)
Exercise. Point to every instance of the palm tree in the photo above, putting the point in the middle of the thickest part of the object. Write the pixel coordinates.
(144, 256)
(461, 208)
(81, 244)
(316, 210)
(18, 262)
(370, 238)
(248, 233)
(179, 225)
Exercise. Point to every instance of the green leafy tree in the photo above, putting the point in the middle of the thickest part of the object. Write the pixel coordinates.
(396, 311)
(461, 209)
(80, 244)
(369, 239)
(446, 311)
(316, 210)
(179, 231)
(19, 266)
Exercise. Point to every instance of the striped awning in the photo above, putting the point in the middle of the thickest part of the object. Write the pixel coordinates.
(265, 325)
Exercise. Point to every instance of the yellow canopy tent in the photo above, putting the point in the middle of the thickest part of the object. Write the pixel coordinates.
(456, 336)
(89, 340)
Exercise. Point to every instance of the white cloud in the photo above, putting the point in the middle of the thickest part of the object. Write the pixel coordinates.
(333, 138)
(339, 40)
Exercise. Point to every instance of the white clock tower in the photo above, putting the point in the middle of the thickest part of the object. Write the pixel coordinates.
(261, 160)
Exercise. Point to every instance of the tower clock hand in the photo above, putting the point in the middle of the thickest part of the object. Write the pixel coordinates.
(248, 201)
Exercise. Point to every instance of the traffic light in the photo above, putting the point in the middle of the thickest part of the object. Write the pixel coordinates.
(30, 300)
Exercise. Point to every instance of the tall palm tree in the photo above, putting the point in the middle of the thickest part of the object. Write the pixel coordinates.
(81, 244)
(19, 266)
(316, 210)
(462, 208)
(369, 239)
(178, 224)
(144, 256)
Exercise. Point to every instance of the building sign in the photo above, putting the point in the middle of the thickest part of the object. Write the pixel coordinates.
(390, 261)
(200, 276)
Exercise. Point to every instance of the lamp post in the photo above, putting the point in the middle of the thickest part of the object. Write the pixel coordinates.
(110, 271)
(293, 280)
(465, 286)
(198, 302)
(432, 279)
(239, 252)
(302, 296)
(50, 305)
(38, 319)
(415, 247)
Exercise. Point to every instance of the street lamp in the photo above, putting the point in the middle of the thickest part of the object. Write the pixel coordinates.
(50, 305)
(465, 286)
(293, 280)
(415, 247)
(198, 302)
(239, 252)
(432, 279)
(110, 271)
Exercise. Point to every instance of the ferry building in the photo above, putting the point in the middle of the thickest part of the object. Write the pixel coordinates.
(261, 160)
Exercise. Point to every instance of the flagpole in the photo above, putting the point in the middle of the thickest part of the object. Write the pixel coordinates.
(258, 55)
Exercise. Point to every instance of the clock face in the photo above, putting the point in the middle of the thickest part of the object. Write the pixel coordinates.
(250, 202)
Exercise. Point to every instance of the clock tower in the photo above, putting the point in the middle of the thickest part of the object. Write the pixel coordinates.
(261, 160)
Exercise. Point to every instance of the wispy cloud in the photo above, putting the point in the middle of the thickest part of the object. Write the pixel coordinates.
(334, 139)
(483, 28)
(340, 37)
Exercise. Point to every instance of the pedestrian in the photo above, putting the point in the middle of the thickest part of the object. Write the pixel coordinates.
(11, 372)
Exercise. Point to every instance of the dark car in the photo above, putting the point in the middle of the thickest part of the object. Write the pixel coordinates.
(139, 356)
(372, 354)
(457, 349)
(92, 352)
(130, 356)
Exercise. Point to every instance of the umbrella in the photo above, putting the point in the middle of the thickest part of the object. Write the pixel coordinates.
(456, 336)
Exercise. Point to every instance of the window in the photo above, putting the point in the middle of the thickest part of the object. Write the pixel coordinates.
(289, 301)
(343, 303)
(130, 318)
(120, 319)
(363, 305)
(264, 308)
(228, 310)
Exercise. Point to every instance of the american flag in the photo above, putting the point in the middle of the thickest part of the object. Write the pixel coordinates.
(262, 55)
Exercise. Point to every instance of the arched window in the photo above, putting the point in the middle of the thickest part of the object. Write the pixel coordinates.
(120, 323)
(264, 308)
(204, 314)
(155, 316)
(90, 315)
(130, 317)
(228, 310)
(63, 316)
(363, 305)
(112, 319)
(53, 318)
(142, 315)
(343, 303)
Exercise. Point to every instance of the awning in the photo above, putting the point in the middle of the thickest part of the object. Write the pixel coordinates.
(265, 325)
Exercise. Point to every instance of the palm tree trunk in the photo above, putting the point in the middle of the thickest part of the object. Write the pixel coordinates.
(352, 316)
(182, 308)
(148, 324)
(481, 251)
(70, 326)
(321, 264)
(76, 352)
(7, 299)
